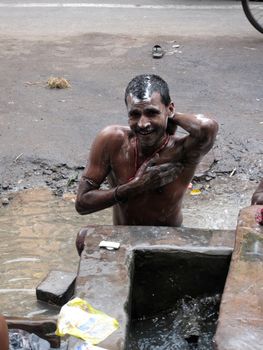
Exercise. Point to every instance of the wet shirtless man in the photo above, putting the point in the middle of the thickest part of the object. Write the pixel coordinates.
(147, 165)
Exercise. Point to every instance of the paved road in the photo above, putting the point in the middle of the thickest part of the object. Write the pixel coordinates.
(98, 47)
(152, 17)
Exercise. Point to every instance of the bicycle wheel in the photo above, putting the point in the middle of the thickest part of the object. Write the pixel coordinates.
(254, 12)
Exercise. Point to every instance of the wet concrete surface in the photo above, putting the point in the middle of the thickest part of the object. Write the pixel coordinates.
(38, 231)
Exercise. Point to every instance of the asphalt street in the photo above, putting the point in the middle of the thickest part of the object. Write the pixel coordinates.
(212, 62)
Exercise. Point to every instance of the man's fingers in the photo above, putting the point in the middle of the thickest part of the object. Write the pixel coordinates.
(145, 165)
(142, 168)
(165, 167)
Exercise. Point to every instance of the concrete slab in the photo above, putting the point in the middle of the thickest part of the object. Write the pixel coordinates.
(240, 325)
(103, 276)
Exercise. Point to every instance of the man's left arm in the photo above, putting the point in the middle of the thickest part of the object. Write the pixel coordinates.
(202, 133)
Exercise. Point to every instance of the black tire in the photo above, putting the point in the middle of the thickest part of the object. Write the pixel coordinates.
(254, 12)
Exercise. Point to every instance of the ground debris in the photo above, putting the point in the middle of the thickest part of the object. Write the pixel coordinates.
(57, 83)
(5, 201)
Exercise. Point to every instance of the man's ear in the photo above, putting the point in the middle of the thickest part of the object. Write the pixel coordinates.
(171, 110)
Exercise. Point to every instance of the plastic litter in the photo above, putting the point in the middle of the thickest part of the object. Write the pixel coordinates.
(80, 319)
(195, 192)
(82, 345)
(22, 340)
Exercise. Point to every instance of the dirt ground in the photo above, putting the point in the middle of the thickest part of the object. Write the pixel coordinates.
(46, 134)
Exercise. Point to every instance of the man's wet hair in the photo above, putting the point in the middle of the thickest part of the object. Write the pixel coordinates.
(144, 85)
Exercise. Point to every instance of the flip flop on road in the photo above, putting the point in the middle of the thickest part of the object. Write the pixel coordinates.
(157, 51)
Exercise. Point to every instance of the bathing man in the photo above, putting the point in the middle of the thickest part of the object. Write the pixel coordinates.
(147, 165)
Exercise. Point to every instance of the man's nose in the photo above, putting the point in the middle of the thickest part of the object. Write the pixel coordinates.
(143, 122)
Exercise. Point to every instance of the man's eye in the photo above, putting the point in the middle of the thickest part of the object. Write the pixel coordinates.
(152, 113)
(134, 115)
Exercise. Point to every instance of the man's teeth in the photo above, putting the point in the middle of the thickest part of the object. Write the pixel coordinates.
(145, 132)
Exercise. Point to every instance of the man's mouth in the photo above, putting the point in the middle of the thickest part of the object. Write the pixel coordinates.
(145, 132)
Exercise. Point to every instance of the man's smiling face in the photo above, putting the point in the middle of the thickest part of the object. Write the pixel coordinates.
(148, 118)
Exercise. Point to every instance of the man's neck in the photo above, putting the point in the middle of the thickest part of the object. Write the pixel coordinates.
(146, 151)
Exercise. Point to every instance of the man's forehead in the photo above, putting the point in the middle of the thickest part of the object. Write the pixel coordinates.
(153, 99)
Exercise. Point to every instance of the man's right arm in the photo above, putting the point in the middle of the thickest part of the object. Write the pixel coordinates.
(89, 197)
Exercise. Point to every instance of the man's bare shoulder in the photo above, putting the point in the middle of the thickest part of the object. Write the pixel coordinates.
(115, 132)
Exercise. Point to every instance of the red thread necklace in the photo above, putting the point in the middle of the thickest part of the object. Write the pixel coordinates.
(136, 157)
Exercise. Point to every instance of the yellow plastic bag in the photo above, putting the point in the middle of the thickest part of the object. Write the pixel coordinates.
(80, 319)
(195, 192)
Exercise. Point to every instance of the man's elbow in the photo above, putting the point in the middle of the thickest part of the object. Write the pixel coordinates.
(210, 130)
(211, 126)
(80, 208)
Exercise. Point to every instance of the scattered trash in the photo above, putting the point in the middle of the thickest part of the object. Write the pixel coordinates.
(259, 216)
(20, 155)
(22, 340)
(57, 83)
(80, 319)
(233, 172)
(176, 46)
(81, 345)
(195, 192)
(190, 186)
(157, 51)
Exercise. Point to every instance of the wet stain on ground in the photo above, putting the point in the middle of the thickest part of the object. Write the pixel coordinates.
(38, 232)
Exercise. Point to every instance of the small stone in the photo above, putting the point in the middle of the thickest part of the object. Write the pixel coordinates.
(54, 169)
(47, 172)
(5, 186)
(5, 201)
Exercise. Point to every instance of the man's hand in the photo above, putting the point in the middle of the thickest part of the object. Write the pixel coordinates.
(149, 177)
(171, 125)
(163, 174)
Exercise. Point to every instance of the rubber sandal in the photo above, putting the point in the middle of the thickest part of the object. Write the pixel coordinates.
(157, 51)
